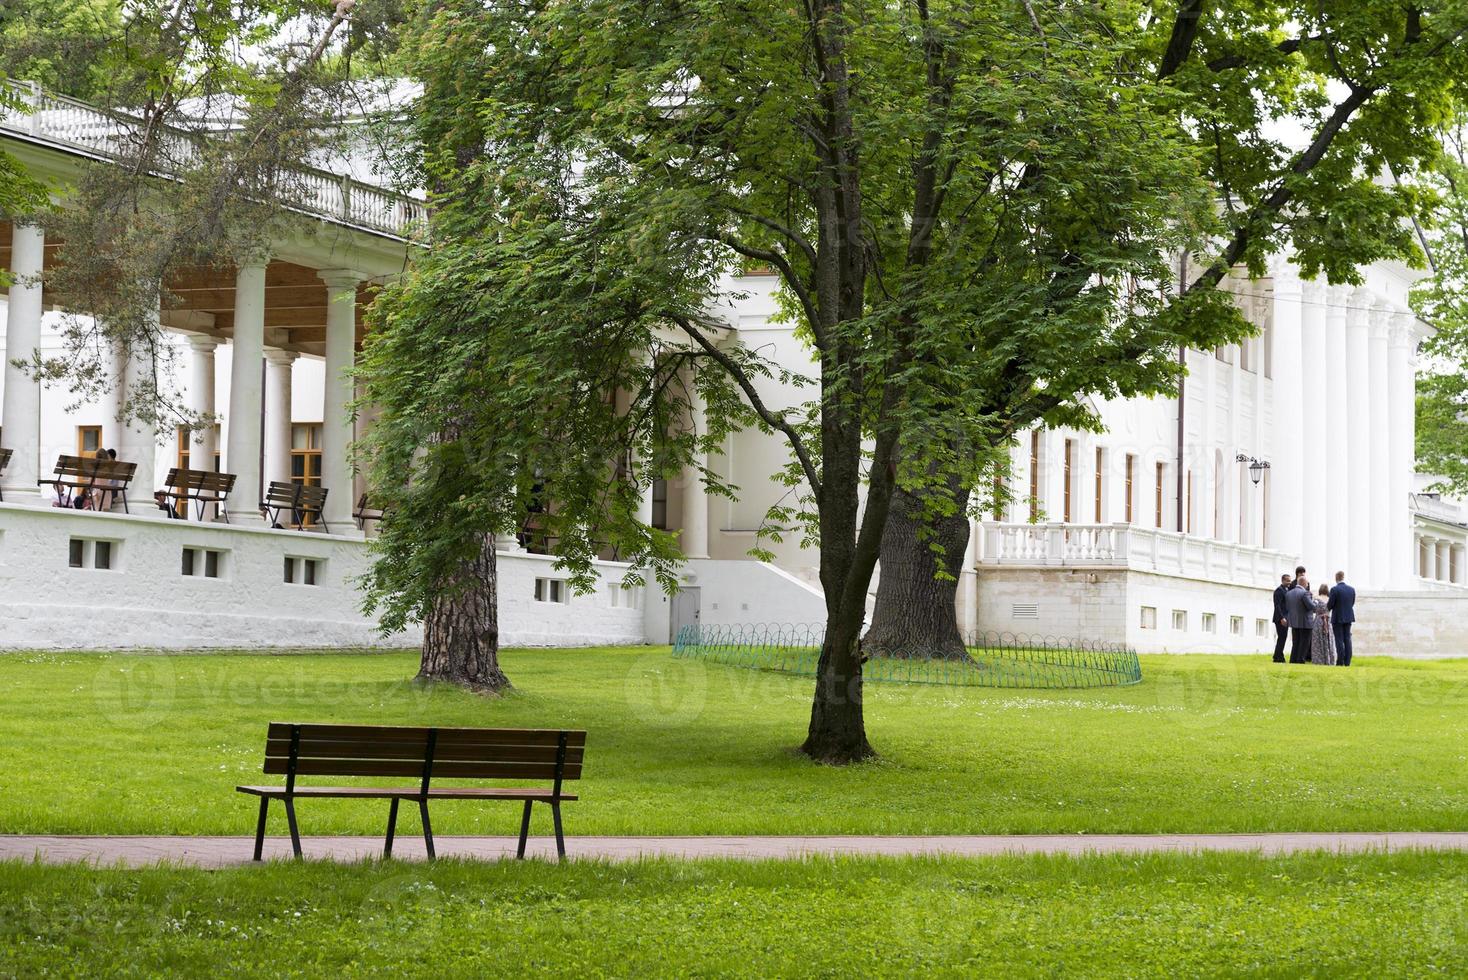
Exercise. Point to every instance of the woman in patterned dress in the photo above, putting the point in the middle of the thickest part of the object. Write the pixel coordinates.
(1322, 641)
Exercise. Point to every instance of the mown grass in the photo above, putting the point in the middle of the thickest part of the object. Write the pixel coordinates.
(1161, 916)
(136, 744)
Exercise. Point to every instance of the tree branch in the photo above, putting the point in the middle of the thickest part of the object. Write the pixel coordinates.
(773, 419)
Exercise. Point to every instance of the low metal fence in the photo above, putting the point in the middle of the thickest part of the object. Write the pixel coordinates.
(1016, 660)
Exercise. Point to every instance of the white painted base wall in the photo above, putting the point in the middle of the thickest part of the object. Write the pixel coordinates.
(144, 600)
(1411, 624)
(744, 592)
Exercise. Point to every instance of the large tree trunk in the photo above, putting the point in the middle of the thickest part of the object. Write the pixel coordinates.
(916, 616)
(837, 733)
(461, 635)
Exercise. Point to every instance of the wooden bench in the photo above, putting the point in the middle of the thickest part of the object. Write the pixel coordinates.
(424, 754)
(98, 477)
(301, 501)
(363, 513)
(4, 462)
(201, 486)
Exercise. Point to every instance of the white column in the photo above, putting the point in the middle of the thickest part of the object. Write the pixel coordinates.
(278, 415)
(1402, 422)
(242, 452)
(1379, 573)
(138, 439)
(695, 537)
(20, 413)
(1286, 506)
(1337, 441)
(114, 401)
(1439, 559)
(1311, 443)
(1358, 424)
(204, 443)
(336, 419)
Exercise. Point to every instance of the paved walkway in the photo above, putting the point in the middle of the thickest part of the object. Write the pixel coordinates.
(218, 852)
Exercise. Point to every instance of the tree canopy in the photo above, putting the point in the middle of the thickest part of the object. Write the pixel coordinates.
(972, 211)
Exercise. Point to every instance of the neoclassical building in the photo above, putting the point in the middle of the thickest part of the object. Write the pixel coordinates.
(1167, 530)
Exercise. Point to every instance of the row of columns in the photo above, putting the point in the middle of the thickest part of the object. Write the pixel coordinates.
(1342, 442)
(137, 442)
(1440, 559)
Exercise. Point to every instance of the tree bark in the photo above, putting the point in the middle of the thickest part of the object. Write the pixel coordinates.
(837, 734)
(461, 634)
(916, 616)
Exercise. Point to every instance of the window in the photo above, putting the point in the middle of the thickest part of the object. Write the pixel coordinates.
(303, 571)
(1100, 485)
(1261, 627)
(1149, 617)
(1180, 620)
(1161, 480)
(1069, 455)
(202, 562)
(306, 454)
(91, 553)
(1131, 466)
(1236, 625)
(1210, 623)
(88, 439)
(186, 444)
(1034, 475)
(551, 590)
(623, 597)
(659, 505)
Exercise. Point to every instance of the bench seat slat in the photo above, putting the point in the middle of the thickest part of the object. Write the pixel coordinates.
(489, 769)
(411, 792)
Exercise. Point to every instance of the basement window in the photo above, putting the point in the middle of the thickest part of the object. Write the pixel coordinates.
(91, 553)
(1149, 617)
(551, 590)
(1210, 623)
(303, 571)
(1236, 625)
(1180, 620)
(202, 562)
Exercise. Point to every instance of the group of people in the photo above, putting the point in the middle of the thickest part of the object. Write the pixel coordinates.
(101, 496)
(1317, 625)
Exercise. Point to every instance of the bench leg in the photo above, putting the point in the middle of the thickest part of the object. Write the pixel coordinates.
(427, 828)
(560, 840)
(524, 832)
(260, 828)
(290, 819)
(392, 826)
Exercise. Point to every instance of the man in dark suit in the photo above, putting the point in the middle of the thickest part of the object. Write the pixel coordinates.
(1281, 618)
(1300, 613)
(1342, 606)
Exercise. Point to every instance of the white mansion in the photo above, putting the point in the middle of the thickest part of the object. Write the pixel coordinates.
(1164, 532)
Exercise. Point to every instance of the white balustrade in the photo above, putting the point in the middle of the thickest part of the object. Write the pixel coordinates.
(68, 123)
(1127, 546)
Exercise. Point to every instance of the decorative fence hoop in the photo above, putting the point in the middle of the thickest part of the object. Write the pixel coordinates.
(1016, 660)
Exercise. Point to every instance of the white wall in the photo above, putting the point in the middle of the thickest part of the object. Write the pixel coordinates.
(144, 600)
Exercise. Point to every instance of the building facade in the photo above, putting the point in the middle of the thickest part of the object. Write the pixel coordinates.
(1165, 530)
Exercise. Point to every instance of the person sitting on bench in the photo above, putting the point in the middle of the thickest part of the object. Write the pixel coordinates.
(160, 497)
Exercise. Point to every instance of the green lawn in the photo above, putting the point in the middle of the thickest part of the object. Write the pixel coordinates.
(1163, 916)
(129, 744)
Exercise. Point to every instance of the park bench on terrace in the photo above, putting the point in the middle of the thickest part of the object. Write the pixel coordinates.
(201, 486)
(365, 513)
(98, 477)
(302, 502)
(423, 754)
(4, 462)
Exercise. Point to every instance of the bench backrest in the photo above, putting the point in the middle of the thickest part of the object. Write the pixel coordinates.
(297, 495)
(200, 481)
(423, 753)
(5, 457)
(88, 468)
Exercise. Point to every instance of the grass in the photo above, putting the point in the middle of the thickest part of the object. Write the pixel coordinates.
(136, 744)
(1162, 916)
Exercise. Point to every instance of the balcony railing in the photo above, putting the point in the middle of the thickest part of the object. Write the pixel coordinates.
(76, 126)
(1131, 547)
